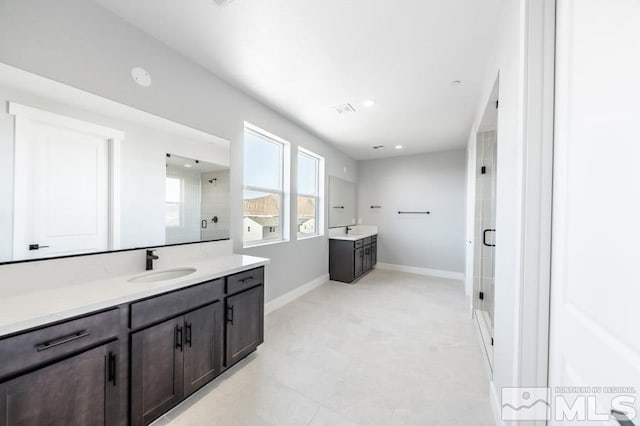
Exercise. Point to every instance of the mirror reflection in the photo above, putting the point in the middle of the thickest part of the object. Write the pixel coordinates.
(342, 202)
(83, 174)
(197, 200)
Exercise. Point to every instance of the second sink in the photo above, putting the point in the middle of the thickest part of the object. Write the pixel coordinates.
(164, 275)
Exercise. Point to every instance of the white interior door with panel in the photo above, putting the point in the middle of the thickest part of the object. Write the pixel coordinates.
(62, 175)
(595, 290)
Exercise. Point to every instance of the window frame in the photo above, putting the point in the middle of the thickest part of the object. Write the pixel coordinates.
(283, 192)
(318, 196)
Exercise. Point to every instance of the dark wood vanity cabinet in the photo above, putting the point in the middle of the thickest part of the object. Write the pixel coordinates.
(349, 260)
(173, 359)
(245, 331)
(132, 363)
(66, 374)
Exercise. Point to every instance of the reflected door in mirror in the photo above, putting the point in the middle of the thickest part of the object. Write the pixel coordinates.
(61, 190)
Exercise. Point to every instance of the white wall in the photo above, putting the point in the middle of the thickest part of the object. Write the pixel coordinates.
(432, 182)
(80, 44)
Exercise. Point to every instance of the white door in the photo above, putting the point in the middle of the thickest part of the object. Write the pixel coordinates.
(595, 286)
(61, 191)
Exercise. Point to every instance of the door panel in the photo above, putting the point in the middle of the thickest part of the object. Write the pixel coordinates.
(156, 370)
(359, 262)
(75, 391)
(61, 191)
(594, 292)
(204, 342)
(245, 323)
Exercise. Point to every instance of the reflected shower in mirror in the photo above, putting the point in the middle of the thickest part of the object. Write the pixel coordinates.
(83, 174)
(197, 200)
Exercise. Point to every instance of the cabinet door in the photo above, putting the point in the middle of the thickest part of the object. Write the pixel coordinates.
(81, 390)
(359, 262)
(156, 370)
(245, 323)
(374, 254)
(203, 346)
(367, 258)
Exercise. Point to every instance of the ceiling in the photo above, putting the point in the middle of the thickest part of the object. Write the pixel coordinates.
(304, 57)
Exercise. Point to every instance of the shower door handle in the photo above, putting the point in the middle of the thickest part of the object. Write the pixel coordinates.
(484, 237)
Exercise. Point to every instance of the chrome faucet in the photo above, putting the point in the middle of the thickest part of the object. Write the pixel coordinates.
(150, 258)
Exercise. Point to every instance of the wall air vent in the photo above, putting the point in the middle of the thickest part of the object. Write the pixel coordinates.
(344, 109)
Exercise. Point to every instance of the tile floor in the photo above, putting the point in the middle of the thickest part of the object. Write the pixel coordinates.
(393, 349)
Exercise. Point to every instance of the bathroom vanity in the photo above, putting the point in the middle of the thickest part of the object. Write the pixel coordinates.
(352, 255)
(125, 352)
(92, 189)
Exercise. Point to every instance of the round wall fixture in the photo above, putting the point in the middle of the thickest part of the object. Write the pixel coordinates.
(141, 76)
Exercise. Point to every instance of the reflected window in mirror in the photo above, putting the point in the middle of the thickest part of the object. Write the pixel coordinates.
(266, 185)
(174, 201)
(310, 194)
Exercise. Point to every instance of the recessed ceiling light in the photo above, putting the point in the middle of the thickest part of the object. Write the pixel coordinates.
(141, 76)
(368, 103)
(378, 147)
(223, 2)
(398, 146)
(188, 166)
(455, 83)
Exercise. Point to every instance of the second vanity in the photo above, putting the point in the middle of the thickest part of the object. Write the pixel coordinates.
(353, 253)
(127, 349)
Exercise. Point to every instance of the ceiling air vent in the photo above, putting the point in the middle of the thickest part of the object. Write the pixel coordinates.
(223, 3)
(344, 109)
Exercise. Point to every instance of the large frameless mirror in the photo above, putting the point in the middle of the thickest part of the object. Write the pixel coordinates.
(82, 174)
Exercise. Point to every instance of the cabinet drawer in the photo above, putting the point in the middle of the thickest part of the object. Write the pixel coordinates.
(165, 306)
(49, 343)
(358, 244)
(245, 280)
(367, 241)
(374, 238)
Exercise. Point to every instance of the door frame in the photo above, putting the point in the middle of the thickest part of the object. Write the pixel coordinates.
(535, 112)
(533, 291)
(114, 138)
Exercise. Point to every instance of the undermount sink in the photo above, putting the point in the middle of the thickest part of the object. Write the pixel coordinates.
(164, 275)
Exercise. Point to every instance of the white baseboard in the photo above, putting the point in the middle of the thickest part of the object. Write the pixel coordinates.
(495, 404)
(422, 271)
(294, 294)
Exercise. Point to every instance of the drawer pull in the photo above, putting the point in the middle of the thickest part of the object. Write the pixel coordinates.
(243, 280)
(62, 340)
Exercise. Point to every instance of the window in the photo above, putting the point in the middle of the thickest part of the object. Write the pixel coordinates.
(173, 200)
(266, 186)
(310, 188)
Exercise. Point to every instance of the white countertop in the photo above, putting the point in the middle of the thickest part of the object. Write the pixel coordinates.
(33, 309)
(352, 237)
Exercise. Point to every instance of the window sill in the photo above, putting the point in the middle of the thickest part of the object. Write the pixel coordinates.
(263, 243)
(310, 237)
